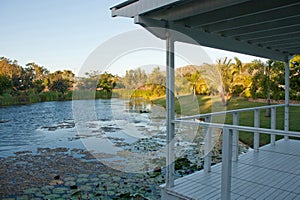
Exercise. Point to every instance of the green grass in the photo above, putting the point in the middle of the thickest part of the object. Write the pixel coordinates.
(184, 105)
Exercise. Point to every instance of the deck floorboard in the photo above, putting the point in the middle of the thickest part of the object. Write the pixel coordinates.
(271, 173)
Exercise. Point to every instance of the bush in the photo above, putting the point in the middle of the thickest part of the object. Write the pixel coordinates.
(103, 94)
(7, 99)
(34, 98)
(49, 96)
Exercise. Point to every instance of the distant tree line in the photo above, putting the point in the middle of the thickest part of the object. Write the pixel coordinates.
(226, 78)
(229, 78)
(17, 80)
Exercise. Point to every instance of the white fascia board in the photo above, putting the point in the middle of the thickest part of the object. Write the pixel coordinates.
(139, 7)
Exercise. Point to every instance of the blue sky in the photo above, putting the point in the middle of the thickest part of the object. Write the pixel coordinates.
(61, 34)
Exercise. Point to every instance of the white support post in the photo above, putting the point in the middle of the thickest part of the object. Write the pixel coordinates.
(226, 164)
(170, 113)
(235, 153)
(287, 97)
(208, 147)
(273, 124)
(256, 125)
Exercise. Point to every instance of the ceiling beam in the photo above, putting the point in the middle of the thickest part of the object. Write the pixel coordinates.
(250, 28)
(192, 8)
(238, 12)
(289, 48)
(282, 31)
(281, 41)
(196, 36)
(285, 43)
(156, 27)
(271, 38)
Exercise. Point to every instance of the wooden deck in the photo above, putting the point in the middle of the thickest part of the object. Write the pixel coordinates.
(271, 173)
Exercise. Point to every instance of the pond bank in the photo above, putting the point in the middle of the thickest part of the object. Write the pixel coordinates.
(62, 174)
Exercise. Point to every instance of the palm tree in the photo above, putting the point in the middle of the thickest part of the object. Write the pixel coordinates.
(241, 78)
(193, 78)
(220, 77)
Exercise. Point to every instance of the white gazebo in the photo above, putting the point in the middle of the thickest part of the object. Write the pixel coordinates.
(263, 28)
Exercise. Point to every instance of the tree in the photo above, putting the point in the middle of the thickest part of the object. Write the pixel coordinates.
(202, 87)
(157, 82)
(40, 72)
(267, 79)
(13, 71)
(193, 79)
(68, 75)
(134, 78)
(241, 79)
(60, 81)
(220, 77)
(5, 83)
(89, 82)
(60, 85)
(10, 68)
(107, 81)
(295, 77)
(156, 77)
(26, 79)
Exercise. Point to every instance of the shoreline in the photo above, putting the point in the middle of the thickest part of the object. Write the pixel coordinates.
(57, 173)
(64, 173)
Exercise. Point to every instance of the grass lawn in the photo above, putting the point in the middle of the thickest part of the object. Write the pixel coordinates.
(185, 105)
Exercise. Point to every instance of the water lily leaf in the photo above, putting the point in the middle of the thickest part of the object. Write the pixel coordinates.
(76, 194)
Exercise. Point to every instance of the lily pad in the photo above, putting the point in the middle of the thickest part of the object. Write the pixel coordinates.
(76, 194)
(52, 196)
(82, 180)
(116, 178)
(86, 188)
(95, 179)
(59, 190)
(70, 183)
(47, 187)
(24, 197)
(31, 190)
(69, 179)
(83, 175)
(104, 176)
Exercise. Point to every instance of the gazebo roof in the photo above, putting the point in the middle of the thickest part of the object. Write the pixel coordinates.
(263, 28)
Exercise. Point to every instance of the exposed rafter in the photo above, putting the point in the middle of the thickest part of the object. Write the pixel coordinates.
(263, 28)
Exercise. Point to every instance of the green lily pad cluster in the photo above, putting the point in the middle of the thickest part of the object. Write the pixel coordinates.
(55, 174)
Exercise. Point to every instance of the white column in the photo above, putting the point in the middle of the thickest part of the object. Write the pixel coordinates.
(208, 146)
(226, 164)
(287, 97)
(170, 113)
(256, 125)
(235, 121)
(273, 124)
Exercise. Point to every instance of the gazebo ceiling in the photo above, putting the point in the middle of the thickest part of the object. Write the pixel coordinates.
(263, 28)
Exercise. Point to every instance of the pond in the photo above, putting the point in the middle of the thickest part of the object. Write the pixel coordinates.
(121, 138)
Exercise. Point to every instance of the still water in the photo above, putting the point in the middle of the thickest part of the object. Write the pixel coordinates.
(124, 135)
(70, 124)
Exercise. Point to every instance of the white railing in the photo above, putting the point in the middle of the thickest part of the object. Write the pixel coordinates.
(230, 137)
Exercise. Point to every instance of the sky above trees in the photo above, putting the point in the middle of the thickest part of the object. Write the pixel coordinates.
(61, 34)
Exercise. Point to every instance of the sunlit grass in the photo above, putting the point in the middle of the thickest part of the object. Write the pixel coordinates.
(185, 106)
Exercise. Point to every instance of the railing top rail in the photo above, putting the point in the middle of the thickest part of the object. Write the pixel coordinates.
(241, 128)
(295, 105)
(233, 111)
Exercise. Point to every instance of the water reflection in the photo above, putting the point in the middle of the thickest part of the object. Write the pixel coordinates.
(139, 105)
(130, 134)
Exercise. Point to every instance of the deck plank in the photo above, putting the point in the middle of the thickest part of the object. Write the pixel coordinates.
(271, 173)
